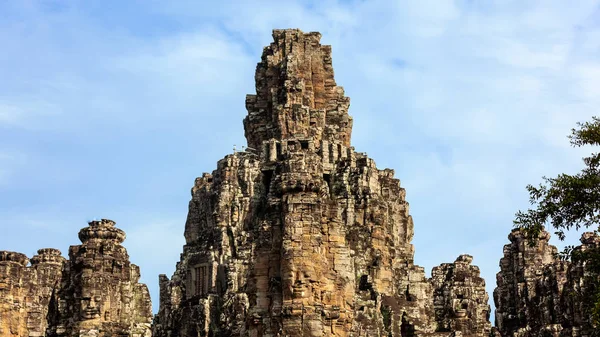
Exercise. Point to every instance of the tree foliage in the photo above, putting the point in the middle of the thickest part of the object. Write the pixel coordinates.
(570, 201)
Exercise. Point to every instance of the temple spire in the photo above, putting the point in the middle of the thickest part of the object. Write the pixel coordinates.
(296, 94)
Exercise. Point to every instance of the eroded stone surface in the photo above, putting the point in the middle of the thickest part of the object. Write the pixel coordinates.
(300, 235)
(539, 295)
(94, 293)
(27, 290)
(13, 309)
(460, 299)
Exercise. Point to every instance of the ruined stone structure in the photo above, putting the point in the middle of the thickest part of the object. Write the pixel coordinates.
(94, 293)
(297, 235)
(538, 295)
(300, 235)
(26, 291)
(460, 300)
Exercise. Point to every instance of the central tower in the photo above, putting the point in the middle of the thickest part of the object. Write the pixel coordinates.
(296, 94)
(299, 235)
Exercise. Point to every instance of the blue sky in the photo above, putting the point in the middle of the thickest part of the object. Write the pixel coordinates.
(110, 109)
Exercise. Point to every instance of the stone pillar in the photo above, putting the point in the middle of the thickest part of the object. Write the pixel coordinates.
(14, 275)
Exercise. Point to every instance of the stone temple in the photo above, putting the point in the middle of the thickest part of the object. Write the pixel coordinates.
(300, 235)
(93, 294)
(297, 235)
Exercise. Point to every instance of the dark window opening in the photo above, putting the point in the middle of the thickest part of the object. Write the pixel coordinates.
(364, 283)
(460, 296)
(327, 178)
(278, 149)
(291, 145)
(304, 144)
(386, 314)
(221, 278)
(231, 243)
(406, 329)
(267, 177)
(409, 296)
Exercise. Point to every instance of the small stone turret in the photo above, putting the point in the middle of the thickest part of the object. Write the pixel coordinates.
(100, 294)
(460, 299)
(102, 231)
(46, 268)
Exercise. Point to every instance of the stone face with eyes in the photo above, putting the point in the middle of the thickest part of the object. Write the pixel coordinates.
(89, 308)
(89, 299)
(102, 286)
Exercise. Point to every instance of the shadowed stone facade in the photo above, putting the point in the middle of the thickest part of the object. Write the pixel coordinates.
(538, 295)
(94, 293)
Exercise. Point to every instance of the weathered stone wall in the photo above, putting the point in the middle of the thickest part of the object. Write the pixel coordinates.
(299, 235)
(26, 291)
(529, 285)
(13, 275)
(579, 289)
(94, 293)
(539, 295)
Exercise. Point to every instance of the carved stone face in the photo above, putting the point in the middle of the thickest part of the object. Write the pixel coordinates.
(90, 306)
